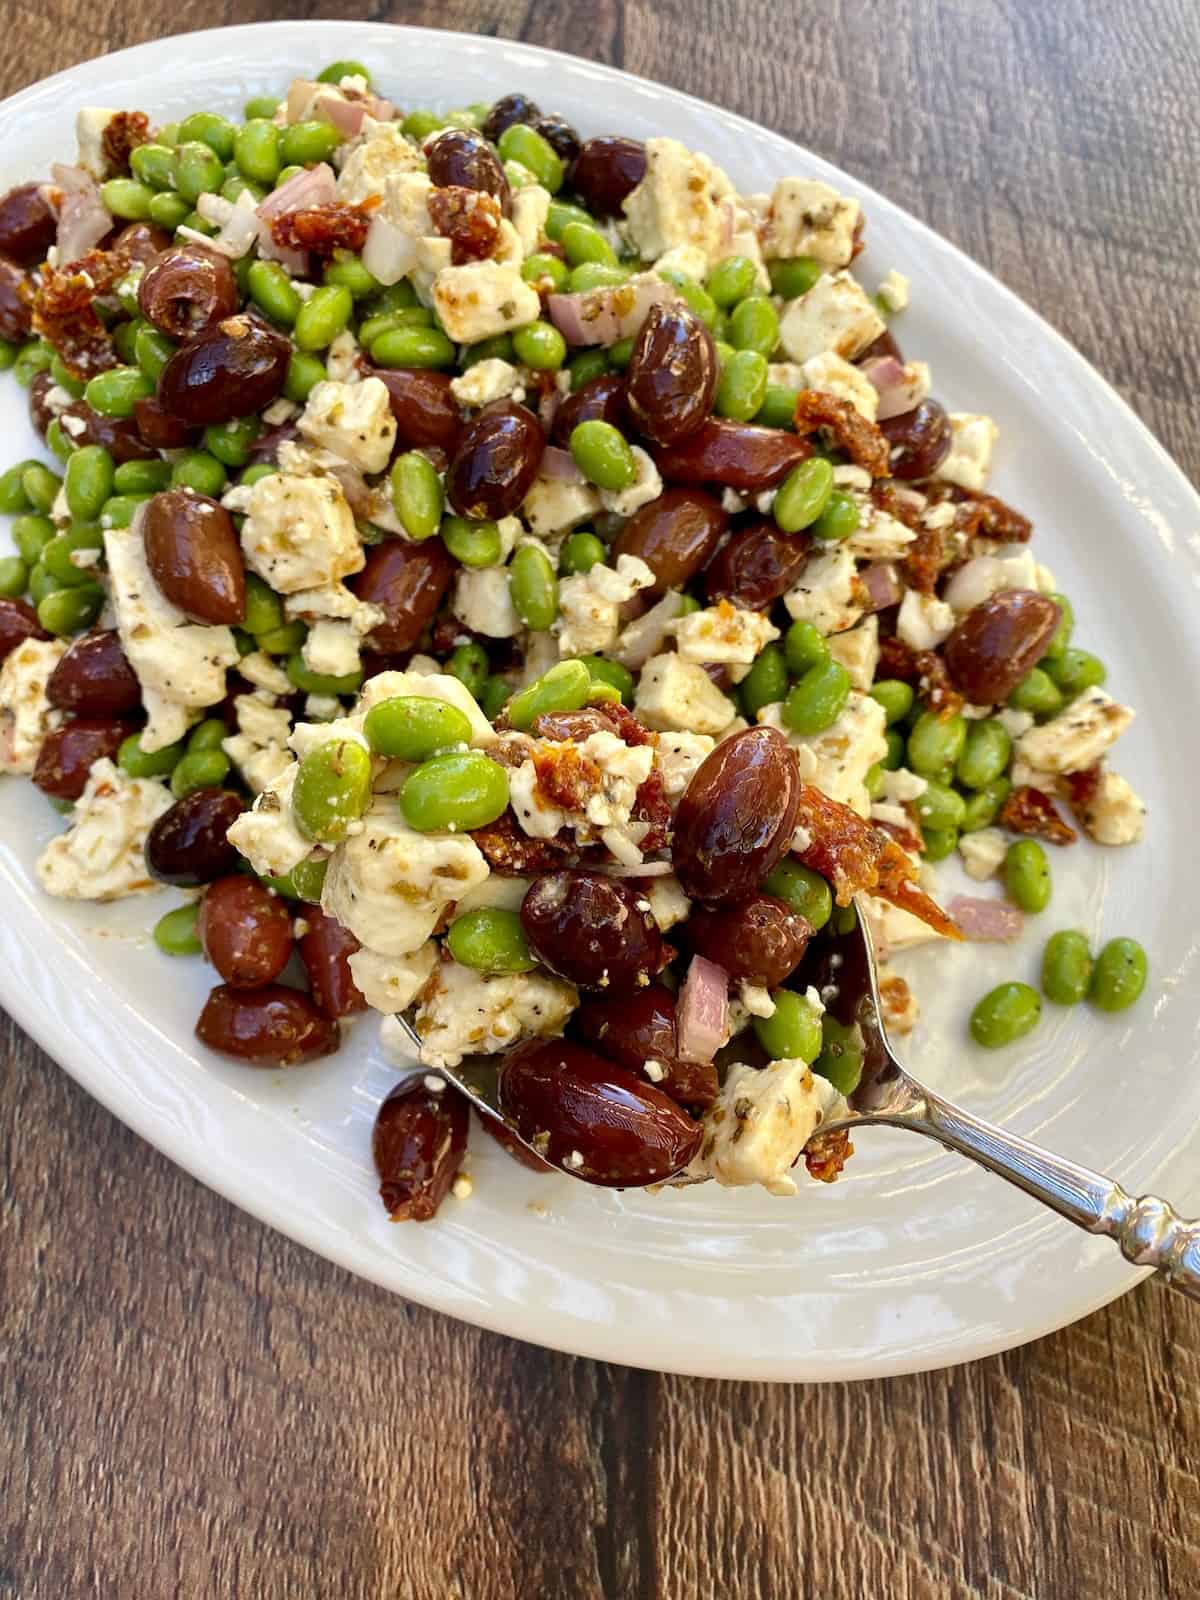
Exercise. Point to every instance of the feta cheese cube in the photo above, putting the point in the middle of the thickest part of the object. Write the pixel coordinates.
(924, 621)
(589, 604)
(984, 576)
(1078, 736)
(678, 696)
(829, 593)
(683, 199)
(679, 757)
(894, 291)
(386, 153)
(645, 487)
(102, 855)
(838, 759)
(331, 649)
(299, 533)
(28, 715)
(647, 635)
(973, 438)
(668, 903)
(483, 298)
(529, 208)
(805, 217)
(835, 315)
(266, 834)
(353, 420)
(483, 604)
(983, 852)
(761, 1121)
(1114, 814)
(90, 123)
(834, 376)
(264, 672)
(484, 382)
(391, 983)
(259, 749)
(878, 537)
(554, 505)
(858, 651)
(723, 633)
(465, 1013)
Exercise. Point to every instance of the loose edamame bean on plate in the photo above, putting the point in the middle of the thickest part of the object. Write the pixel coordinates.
(1119, 975)
(1005, 1014)
(793, 1033)
(803, 890)
(1027, 875)
(413, 728)
(490, 940)
(175, 932)
(332, 790)
(1066, 967)
(459, 791)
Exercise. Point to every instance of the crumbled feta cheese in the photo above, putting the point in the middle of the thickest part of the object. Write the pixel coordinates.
(837, 377)
(829, 594)
(385, 154)
(894, 291)
(761, 1121)
(983, 852)
(264, 672)
(391, 983)
(807, 218)
(893, 928)
(334, 600)
(1015, 723)
(299, 533)
(857, 649)
(259, 749)
(485, 381)
(645, 487)
(838, 759)
(102, 854)
(723, 633)
(341, 360)
(1114, 814)
(834, 315)
(266, 834)
(90, 123)
(668, 903)
(679, 757)
(435, 685)
(900, 786)
(683, 199)
(537, 816)
(481, 299)
(878, 537)
(28, 715)
(483, 604)
(322, 707)
(688, 259)
(589, 604)
(647, 635)
(973, 438)
(678, 696)
(307, 736)
(465, 1013)
(984, 576)
(353, 420)
(924, 621)
(529, 207)
(555, 505)
(402, 240)
(331, 649)
(756, 1000)
(1078, 736)
(495, 892)
(897, 1002)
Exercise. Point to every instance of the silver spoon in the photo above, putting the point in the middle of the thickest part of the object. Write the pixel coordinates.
(1148, 1230)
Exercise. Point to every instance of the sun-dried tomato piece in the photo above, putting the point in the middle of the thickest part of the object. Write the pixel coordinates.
(906, 834)
(605, 717)
(826, 1154)
(923, 667)
(860, 439)
(1082, 787)
(652, 806)
(983, 516)
(469, 218)
(512, 853)
(565, 777)
(323, 229)
(923, 560)
(64, 316)
(899, 502)
(1030, 810)
(124, 132)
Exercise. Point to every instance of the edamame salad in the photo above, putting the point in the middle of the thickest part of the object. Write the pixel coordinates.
(516, 584)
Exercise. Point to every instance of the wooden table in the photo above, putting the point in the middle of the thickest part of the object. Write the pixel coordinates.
(192, 1406)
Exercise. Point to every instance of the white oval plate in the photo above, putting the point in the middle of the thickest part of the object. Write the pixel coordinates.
(915, 1259)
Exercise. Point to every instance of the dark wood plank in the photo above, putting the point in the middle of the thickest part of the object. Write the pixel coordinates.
(191, 1405)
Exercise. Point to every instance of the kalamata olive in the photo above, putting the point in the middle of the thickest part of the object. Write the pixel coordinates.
(40, 413)
(233, 369)
(142, 242)
(509, 109)
(325, 950)
(885, 345)
(408, 581)
(18, 622)
(120, 436)
(674, 535)
(672, 375)
(67, 754)
(496, 460)
(737, 816)
(560, 136)
(462, 159)
(27, 225)
(16, 321)
(737, 455)
(758, 940)
(246, 931)
(188, 844)
(419, 1141)
(998, 642)
(194, 556)
(920, 439)
(508, 1141)
(94, 678)
(595, 1119)
(185, 291)
(591, 930)
(269, 1027)
(423, 405)
(639, 1026)
(606, 170)
(600, 399)
(156, 427)
(757, 564)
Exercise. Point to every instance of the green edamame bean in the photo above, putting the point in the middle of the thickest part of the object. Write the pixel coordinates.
(754, 325)
(793, 277)
(894, 759)
(333, 789)
(310, 682)
(127, 199)
(841, 1057)
(56, 556)
(839, 519)
(41, 584)
(541, 267)
(70, 610)
(60, 374)
(936, 742)
(417, 495)
(533, 585)
(803, 494)
(264, 608)
(560, 214)
(337, 70)
(124, 340)
(581, 551)
(460, 791)
(14, 577)
(493, 697)
(765, 683)
(199, 769)
(803, 890)
(347, 270)
(873, 782)
(793, 1033)
(197, 470)
(803, 648)
(498, 348)
(304, 144)
(284, 640)
(519, 142)
(260, 106)
(303, 374)
(939, 842)
(778, 409)
(116, 392)
(40, 486)
(198, 170)
(141, 477)
(741, 385)
(895, 696)
(308, 876)
(1119, 975)
(490, 940)
(418, 125)
(59, 441)
(985, 754)
(602, 455)
(1066, 967)
(257, 150)
(540, 345)
(818, 699)
(731, 280)
(469, 664)
(207, 735)
(88, 481)
(154, 165)
(582, 242)
(519, 177)
(475, 544)
(232, 442)
(983, 806)
(413, 728)
(207, 127)
(620, 354)
(324, 315)
(1027, 875)
(256, 473)
(939, 807)
(1062, 635)
(564, 688)
(151, 351)
(273, 292)
(1037, 693)
(612, 674)
(31, 534)
(411, 347)
(596, 275)
(695, 296)
(386, 321)
(169, 209)
(175, 933)
(32, 358)
(1005, 1014)
(1076, 670)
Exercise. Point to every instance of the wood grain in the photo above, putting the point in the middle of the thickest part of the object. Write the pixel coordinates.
(192, 1406)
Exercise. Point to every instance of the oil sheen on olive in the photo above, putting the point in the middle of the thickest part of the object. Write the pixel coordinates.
(461, 158)
(27, 225)
(737, 455)
(672, 375)
(67, 753)
(235, 368)
(594, 1119)
(639, 1026)
(94, 678)
(920, 440)
(674, 535)
(188, 845)
(269, 1027)
(419, 1140)
(18, 622)
(495, 462)
(193, 553)
(600, 399)
(325, 949)
(606, 170)
(187, 290)
(757, 564)
(998, 642)
(423, 405)
(591, 930)
(245, 930)
(737, 816)
(408, 583)
(758, 940)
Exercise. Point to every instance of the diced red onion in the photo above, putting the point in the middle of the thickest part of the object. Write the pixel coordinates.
(83, 218)
(382, 110)
(985, 920)
(345, 115)
(882, 584)
(315, 186)
(237, 223)
(548, 403)
(639, 869)
(559, 465)
(899, 387)
(602, 316)
(703, 1014)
